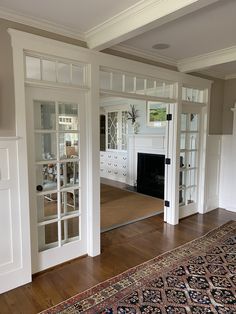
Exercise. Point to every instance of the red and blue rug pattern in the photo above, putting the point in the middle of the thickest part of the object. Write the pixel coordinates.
(198, 277)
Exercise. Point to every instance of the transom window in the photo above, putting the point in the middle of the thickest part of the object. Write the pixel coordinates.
(45, 69)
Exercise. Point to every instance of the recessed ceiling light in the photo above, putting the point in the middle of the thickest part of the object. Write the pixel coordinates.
(161, 46)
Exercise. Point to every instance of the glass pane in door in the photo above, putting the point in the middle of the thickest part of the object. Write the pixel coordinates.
(70, 229)
(45, 146)
(46, 177)
(68, 117)
(44, 115)
(69, 202)
(47, 206)
(47, 236)
(68, 145)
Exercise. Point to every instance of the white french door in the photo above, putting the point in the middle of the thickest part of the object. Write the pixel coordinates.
(57, 164)
(189, 160)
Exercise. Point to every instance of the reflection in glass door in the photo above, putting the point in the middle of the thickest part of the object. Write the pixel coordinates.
(57, 173)
(189, 155)
(56, 134)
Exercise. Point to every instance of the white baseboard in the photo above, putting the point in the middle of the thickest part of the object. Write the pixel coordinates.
(227, 206)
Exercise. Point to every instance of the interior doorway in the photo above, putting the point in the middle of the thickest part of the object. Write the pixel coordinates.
(132, 160)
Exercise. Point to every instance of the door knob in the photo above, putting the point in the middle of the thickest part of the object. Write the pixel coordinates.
(39, 188)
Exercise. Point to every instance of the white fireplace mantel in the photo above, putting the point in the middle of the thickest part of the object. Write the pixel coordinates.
(143, 143)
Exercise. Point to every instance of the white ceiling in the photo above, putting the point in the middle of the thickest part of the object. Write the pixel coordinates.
(201, 33)
(81, 15)
(204, 31)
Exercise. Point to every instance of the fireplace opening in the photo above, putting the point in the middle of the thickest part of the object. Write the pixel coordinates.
(151, 174)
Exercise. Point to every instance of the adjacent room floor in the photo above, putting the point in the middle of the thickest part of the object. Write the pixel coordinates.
(120, 206)
(122, 248)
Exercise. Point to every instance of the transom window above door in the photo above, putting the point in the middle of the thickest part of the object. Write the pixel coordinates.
(117, 81)
(50, 70)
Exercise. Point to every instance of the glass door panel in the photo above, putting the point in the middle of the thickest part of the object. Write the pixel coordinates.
(55, 158)
(52, 178)
(189, 151)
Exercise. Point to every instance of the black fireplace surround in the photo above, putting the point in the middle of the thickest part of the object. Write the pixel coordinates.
(151, 174)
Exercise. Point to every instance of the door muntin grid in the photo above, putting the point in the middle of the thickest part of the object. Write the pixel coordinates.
(57, 173)
(189, 151)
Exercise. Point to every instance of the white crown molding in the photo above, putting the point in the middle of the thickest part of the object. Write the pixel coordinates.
(207, 60)
(42, 24)
(145, 54)
(230, 76)
(139, 18)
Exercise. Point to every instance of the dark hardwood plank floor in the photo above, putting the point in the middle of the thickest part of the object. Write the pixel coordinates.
(122, 248)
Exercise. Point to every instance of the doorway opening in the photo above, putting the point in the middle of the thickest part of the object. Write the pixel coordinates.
(127, 132)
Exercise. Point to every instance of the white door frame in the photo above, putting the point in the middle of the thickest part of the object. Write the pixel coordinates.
(22, 42)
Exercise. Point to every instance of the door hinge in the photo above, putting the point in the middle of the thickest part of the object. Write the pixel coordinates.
(168, 161)
(168, 117)
(167, 204)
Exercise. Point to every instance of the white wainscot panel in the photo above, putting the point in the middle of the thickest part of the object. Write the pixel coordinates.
(228, 173)
(4, 162)
(12, 273)
(6, 255)
(213, 171)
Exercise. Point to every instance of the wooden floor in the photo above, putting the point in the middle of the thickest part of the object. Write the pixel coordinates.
(119, 207)
(122, 248)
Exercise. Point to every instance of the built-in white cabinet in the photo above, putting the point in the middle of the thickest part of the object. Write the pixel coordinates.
(114, 165)
(113, 161)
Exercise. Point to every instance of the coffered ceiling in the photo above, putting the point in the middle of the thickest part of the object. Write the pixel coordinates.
(200, 33)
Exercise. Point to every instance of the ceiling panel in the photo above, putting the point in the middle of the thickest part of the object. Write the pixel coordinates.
(226, 68)
(77, 14)
(203, 31)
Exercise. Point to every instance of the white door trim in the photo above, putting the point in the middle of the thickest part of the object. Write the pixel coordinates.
(21, 42)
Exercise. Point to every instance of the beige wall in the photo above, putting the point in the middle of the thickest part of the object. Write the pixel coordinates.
(216, 107)
(216, 104)
(7, 110)
(229, 100)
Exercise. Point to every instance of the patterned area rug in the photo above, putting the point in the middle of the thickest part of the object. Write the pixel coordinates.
(198, 277)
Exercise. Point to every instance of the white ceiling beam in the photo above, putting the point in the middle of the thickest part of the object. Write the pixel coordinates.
(207, 60)
(139, 18)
